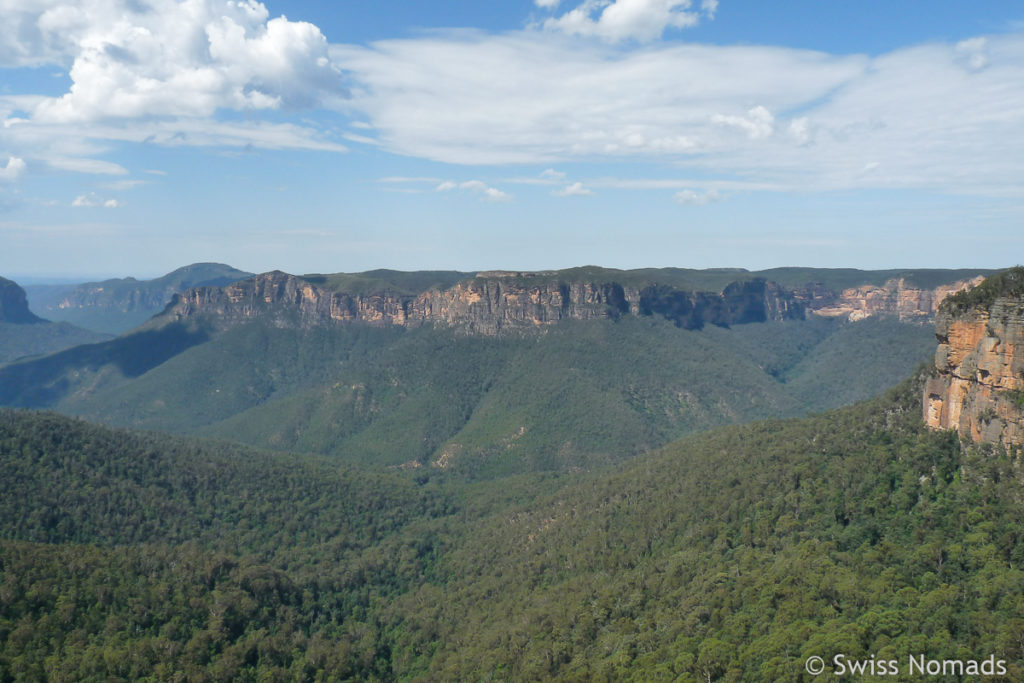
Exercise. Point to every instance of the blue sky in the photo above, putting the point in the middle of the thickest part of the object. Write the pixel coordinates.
(141, 135)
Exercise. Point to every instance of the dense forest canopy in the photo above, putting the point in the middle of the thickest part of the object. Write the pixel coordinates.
(731, 555)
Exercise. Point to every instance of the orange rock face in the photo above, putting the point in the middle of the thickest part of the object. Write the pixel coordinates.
(896, 297)
(480, 305)
(980, 388)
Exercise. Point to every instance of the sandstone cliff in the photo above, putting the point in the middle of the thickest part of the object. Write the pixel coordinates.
(980, 361)
(488, 304)
(895, 298)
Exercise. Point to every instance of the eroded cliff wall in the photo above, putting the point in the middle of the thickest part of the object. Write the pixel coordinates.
(482, 305)
(979, 390)
(896, 297)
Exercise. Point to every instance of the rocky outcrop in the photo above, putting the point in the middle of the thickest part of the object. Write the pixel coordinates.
(14, 304)
(979, 390)
(895, 298)
(488, 304)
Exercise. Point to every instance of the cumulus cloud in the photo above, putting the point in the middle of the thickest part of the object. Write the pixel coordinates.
(168, 58)
(574, 190)
(551, 174)
(618, 20)
(478, 187)
(14, 168)
(161, 71)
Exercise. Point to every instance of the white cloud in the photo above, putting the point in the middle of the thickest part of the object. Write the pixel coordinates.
(558, 99)
(973, 52)
(13, 170)
(548, 4)
(167, 58)
(574, 190)
(75, 147)
(551, 174)
(479, 187)
(618, 20)
(161, 71)
(774, 117)
(694, 198)
(800, 131)
(90, 200)
(758, 123)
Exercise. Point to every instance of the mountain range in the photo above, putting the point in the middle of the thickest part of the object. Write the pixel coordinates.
(495, 371)
(117, 305)
(520, 533)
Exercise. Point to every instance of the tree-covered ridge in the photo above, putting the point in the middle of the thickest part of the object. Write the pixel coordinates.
(1008, 283)
(90, 484)
(407, 283)
(736, 555)
(717, 279)
(580, 394)
(729, 556)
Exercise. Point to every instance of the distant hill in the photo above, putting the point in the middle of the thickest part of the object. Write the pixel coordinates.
(22, 333)
(116, 306)
(14, 304)
(498, 373)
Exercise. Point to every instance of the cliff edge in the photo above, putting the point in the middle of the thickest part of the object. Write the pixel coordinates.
(979, 390)
(488, 304)
(14, 304)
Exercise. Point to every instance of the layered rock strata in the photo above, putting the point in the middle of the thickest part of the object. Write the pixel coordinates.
(980, 360)
(483, 305)
(895, 298)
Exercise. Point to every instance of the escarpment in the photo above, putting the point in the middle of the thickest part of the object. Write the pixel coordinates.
(979, 390)
(897, 297)
(487, 304)
(494, 302)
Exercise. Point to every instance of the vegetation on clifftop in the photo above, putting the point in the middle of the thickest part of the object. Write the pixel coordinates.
(1008, 283)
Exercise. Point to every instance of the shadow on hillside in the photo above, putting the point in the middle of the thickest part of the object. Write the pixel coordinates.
(42, 382)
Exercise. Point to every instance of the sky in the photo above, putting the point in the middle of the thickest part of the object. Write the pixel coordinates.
(137, 136)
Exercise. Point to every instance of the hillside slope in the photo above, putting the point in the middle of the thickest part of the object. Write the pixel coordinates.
(734, 555)
(575, 395)
(22, 333)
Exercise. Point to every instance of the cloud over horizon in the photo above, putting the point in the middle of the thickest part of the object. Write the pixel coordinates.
(578, 87)
(160, 72)
(930, 116)
(619, 20)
